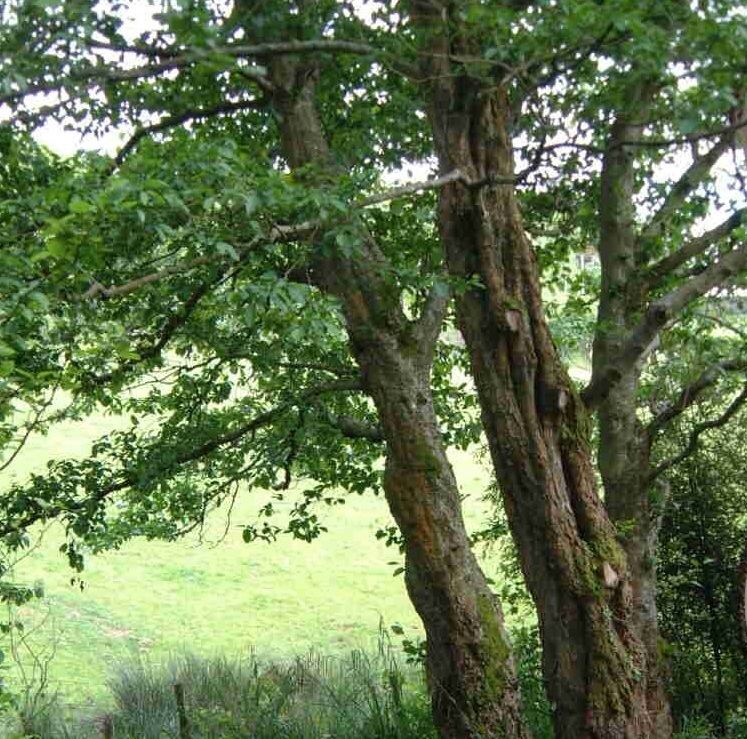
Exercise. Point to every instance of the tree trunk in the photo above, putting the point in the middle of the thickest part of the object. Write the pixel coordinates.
(470, 669)
(471, 673)
(574, 567)
(624, 444)
(534, 421)
(636, 508)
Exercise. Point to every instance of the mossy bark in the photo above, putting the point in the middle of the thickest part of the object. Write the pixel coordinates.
(471, 673)
(536, 426)
(470, 668)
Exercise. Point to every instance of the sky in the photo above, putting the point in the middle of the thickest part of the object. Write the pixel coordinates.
(137, 18)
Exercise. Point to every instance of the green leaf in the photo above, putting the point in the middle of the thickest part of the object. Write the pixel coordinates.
(227, 250)
(79, 206)
(57, 247)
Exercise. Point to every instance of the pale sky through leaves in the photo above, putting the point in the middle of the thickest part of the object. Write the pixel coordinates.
(139, 18)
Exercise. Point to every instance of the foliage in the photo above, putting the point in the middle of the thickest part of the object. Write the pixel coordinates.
(527, 651)
(246, 369)
(701, 541)
(169, 283)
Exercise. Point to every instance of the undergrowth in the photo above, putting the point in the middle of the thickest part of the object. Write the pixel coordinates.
(361, 696)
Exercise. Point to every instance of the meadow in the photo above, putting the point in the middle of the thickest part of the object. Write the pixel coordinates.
(211, 593)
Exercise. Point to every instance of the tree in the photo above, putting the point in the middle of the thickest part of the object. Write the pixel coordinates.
(274, 117)
(702, 536)
(470, 667)
(596, 603)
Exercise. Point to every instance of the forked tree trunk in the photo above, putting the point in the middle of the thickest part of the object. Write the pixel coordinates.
(535, 424)
(470, 669)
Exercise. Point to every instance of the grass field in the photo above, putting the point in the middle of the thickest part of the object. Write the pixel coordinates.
(156, 599)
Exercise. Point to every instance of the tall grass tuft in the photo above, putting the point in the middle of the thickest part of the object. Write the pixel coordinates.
(361, 696)
(316, 697)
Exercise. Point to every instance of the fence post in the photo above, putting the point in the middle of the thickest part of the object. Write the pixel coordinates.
(184, 732)
(108, 728)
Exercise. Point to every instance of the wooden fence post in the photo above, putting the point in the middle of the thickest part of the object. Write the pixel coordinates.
(108, 728)
(184, 732)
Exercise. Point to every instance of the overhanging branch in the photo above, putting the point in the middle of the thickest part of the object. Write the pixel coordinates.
(276, 234)
(278, 48)
(100, 74)
(97, 75)
(48, 512)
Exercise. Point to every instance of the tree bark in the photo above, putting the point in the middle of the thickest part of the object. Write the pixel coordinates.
(470, 668)
(535, 423)
(636, 508)
(624, 444)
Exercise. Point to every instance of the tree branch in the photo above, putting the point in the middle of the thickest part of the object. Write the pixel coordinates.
(695, 174)
(97, 290)
(431, 318)
(741, 333)
(696, 246)
(278, 233)
(354, 428)
(203, 450)
(281, 48)
(170, 328)
(175, 120)
(658, 314)
(411, 188)
(98, 75)
(689, 395)
(101, 74)
(278, 48)
(689, 139)
(697, 432)
(31, 426)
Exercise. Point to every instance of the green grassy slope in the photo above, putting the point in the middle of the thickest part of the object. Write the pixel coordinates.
(158, 598)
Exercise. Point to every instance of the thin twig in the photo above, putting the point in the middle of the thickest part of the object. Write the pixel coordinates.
(698, 430)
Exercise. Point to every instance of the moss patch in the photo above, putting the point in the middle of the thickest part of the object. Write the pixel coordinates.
(495, 648)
